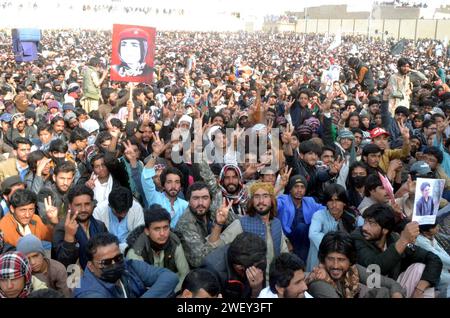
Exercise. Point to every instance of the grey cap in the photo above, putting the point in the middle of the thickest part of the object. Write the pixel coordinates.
(420, 168)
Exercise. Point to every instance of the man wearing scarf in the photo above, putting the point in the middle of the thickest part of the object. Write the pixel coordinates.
(71, 236)
(16, 280)
(260, 219)
(229, 186)
(338, 275)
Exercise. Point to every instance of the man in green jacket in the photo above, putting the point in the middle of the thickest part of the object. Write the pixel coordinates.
(91, 85)
(414, 268)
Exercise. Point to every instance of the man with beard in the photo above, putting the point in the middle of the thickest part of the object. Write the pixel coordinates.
(198, 222)
(58, 125)
(157, 245)
(229, 186)
(171, 182)
(146, 134)
(108, 275)
(260, 219)
(71, 235)
(286, 278)
(63, 177)
(416, 269)
(398, 90)
(371, 156)
(109, 96)
(338, 275)
(18, 165)
(295, 211)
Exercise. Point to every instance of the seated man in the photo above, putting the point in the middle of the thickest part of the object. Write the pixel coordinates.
(108, 275)
(121, 214)
(72, 234)
(171, 182)
(427, 241)
(295, 211)
(197, 223)
(155, 244)
(260, 220)
(23, 220)
(47, 270)
(286, 278)
(200, 283)
(338, 275)
(374, 193)
(414, 268)
(240, 266)
(16, 280)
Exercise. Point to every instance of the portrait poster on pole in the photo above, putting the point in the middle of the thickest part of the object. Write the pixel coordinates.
(133, 53)
(426, 201)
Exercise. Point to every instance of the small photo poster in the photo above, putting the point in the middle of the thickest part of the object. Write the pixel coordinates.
(427, 197)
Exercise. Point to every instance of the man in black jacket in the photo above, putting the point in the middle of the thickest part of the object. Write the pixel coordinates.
(71, 235)
(414, 268)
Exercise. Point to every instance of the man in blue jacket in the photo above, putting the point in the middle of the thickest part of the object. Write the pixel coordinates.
(295, 212)
(108, 275)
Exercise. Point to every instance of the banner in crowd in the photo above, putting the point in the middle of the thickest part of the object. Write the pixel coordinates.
(133, 53)
(426, 201)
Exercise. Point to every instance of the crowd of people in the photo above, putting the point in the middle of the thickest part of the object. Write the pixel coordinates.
(253, 165)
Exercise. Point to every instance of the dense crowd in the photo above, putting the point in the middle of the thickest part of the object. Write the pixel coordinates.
(253, 165)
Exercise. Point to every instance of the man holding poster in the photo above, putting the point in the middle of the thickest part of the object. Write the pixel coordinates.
(133, 51)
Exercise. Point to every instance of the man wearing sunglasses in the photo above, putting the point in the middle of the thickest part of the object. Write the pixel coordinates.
(108, 275)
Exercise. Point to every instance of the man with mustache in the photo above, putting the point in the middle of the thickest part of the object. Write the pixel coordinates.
(171, 182)
(198, 222)
(71, 235)
(260, 220)
(338, 275)
(414, 268)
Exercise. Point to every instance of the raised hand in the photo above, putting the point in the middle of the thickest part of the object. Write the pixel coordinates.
(146, 118)
(404, 131)
(50, 210)
(222, 213)
(337, 166)
(288, 104)
(158, 145)
(41, 165)
(345, 115)
(91, 182)
(285, 175)
(287, 134)
(129, 152)
(70, 225)
(410, 232)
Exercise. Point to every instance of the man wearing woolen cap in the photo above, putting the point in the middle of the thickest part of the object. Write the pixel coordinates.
(295, 212)
(48, 271)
